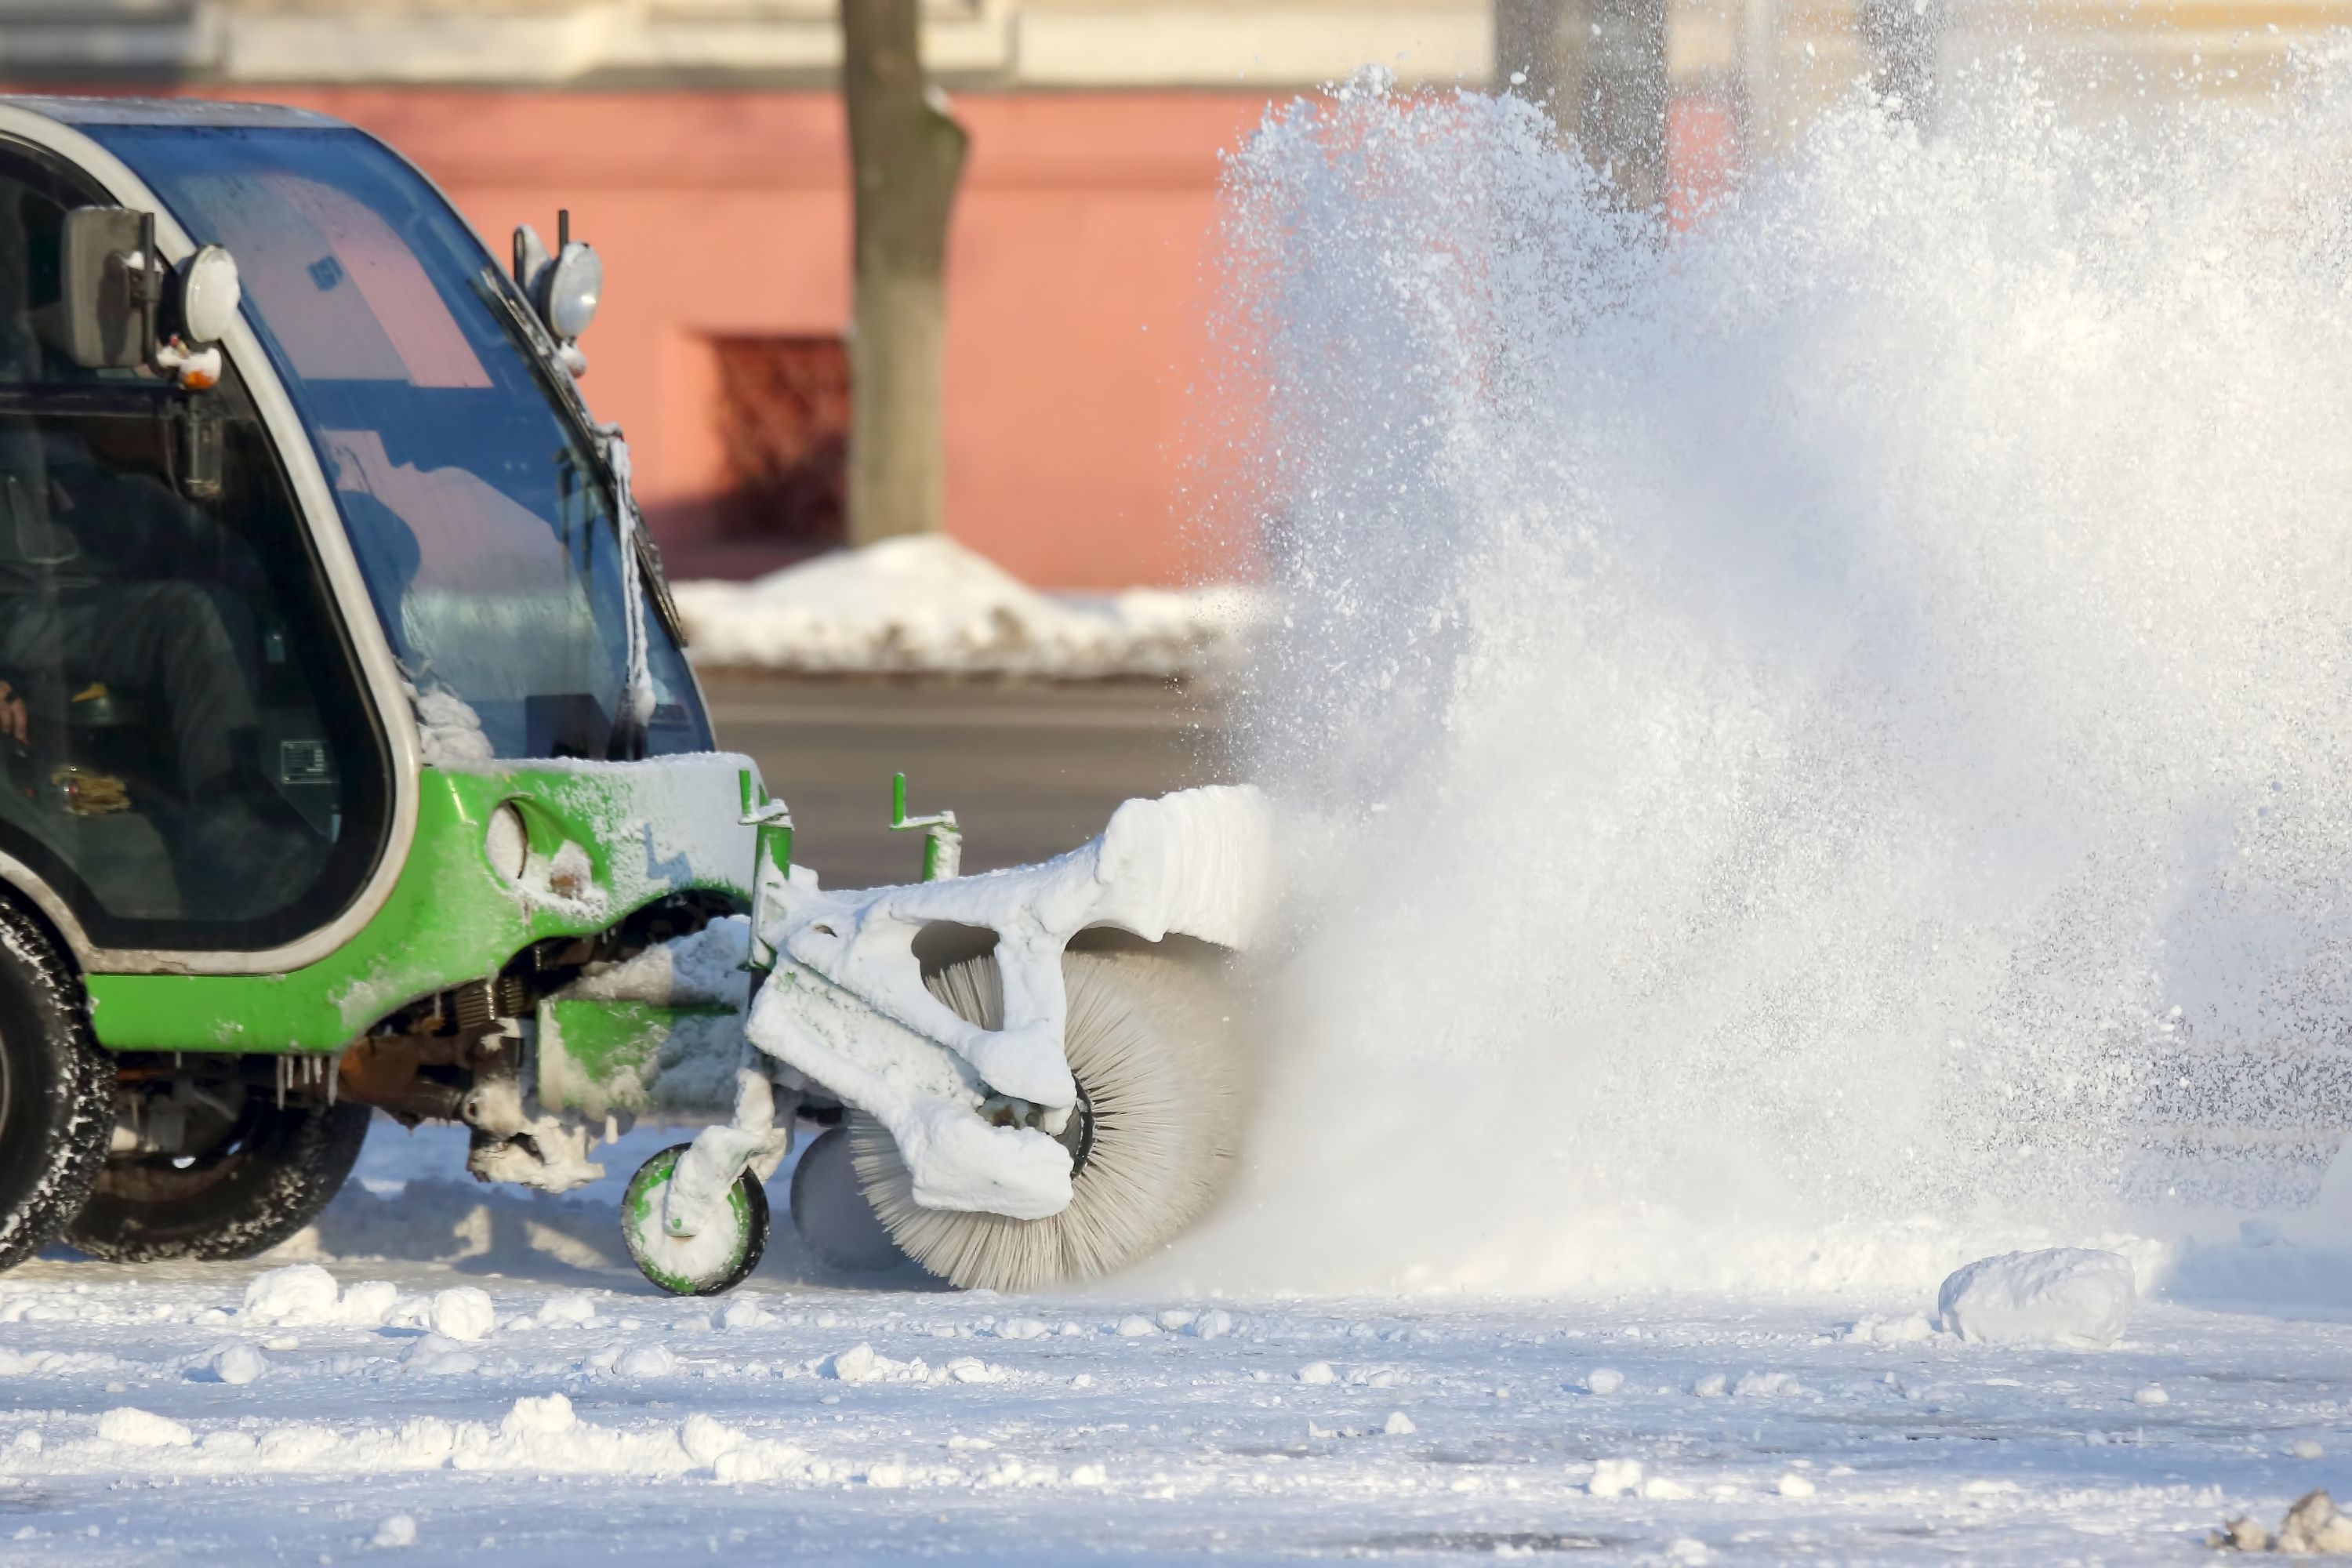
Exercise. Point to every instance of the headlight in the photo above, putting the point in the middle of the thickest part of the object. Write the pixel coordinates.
(209, 295)
(508, 843)
(573, 286)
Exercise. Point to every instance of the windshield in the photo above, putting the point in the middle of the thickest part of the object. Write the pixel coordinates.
(477, 509)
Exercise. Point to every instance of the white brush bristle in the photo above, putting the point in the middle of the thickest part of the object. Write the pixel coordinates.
(1150, 1041)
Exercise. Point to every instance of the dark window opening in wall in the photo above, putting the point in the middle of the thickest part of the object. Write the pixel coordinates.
(783, 412)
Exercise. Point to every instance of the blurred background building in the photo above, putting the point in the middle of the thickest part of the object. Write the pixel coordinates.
(700, 144)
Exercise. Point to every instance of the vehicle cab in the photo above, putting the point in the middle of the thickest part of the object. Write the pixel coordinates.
(341, 697)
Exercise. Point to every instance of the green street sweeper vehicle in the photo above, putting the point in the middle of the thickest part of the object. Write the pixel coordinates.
(349, 761)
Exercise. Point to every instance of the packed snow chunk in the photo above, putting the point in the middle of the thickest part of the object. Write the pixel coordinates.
(1175, 1319)
(743, 1312)
(2312, 1527)
(1399, 1425)
(1614, 1478)
(1711, 1386)
(462, 1312)
(238, 1365)
(298, 1293)
(644, 1361)
(1911, 1328)
(1766, 1385)
(2152, 1395)
(137, 1428)
(1658, 1489)
(2305, 1449)
(1214, 1324)
(1136, 1328)
(858, 1363)
(1794, 1485)
(2064, 1296)
(368, 1303)
(1021, 1329)
(439, 1355)
(1604, 1380)
(545, 1415)
(567, 1311)
(1088, 1475)
(971, 1369)
(398, 1531)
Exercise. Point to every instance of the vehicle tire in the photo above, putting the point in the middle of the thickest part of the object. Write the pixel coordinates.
(250, 1188)
(830, 1211)
(1151, 1039)
(56, 1092)
(709, 1264)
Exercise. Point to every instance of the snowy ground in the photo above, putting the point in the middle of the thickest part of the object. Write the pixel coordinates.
(594, 1421)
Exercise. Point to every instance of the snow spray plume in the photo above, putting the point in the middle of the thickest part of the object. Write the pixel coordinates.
(1837, 722)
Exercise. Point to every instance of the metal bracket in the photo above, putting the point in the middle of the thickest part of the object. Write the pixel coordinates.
(942, 839)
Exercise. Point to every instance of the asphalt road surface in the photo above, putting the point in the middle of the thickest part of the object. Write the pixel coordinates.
(1030, 769)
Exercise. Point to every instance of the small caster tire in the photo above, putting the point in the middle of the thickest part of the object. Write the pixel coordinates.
(710, 1264)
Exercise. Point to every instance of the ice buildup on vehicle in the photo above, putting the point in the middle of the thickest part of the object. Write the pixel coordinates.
(2064, 1296)
(1199, 862)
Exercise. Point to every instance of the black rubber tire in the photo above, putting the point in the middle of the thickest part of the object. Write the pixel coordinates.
(270, 1177)
(56, 1092)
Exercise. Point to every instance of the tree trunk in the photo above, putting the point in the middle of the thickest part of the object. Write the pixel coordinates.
(1599, 67)
(906, 155)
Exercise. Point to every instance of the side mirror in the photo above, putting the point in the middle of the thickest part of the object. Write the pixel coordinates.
(105, 315)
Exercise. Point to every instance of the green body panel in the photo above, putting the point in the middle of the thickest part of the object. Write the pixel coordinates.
(644, 830)
(598, 1057)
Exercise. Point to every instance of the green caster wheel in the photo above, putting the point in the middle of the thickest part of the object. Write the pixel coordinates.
(709, 1264)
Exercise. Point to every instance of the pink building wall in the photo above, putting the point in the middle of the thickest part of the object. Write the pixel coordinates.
(1077, 270)
(1080, 276)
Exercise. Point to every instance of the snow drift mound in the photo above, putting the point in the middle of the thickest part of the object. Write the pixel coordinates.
(927, 605)
(1837, 725)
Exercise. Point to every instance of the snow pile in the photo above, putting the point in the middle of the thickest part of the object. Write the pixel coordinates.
(304, 1293)
(2064, 1296)
(928, 603)
(1832, 723)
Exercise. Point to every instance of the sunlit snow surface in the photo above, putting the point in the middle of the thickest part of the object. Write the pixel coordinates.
(1110, 1427)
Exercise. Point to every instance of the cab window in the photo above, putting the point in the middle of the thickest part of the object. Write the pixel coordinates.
(186, 754)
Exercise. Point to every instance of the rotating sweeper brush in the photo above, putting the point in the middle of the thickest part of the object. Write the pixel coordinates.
(1155, 1056)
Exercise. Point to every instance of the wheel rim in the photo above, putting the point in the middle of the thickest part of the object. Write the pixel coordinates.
(692, 1265)
(154, 1178)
